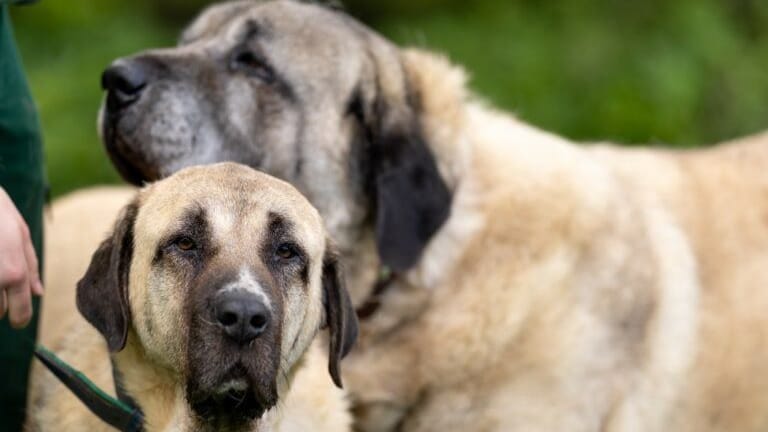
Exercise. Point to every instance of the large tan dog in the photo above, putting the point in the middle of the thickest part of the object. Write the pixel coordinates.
(538, 285)
(208, 293)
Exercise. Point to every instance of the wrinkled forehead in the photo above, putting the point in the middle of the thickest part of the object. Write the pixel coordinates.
(232, 207)
(304, 25)
(319, 52)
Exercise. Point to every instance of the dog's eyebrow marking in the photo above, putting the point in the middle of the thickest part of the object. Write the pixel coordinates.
(193, 222)
(277, 224)
(281, 230)
(246, 281)
(249, 31)
(194, 219)
(252, 29)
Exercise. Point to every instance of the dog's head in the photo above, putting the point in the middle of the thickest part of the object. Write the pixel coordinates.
(300, 91)
(222, 276)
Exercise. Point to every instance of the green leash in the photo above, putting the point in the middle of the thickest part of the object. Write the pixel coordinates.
(113, 411)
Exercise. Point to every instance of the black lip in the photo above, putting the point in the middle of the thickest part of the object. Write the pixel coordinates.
(128, 171)
(233, 408)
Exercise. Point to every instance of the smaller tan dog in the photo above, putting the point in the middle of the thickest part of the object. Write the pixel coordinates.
(208, 294)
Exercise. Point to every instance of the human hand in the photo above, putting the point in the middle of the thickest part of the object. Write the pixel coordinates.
(19, 276)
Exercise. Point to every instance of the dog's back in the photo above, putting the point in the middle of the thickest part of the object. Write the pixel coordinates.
(719, 198)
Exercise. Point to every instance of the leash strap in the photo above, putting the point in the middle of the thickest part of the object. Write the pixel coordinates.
(371, 305)
(115, 412)
(122, 394)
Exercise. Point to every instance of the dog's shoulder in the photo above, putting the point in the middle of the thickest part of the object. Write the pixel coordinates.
(313, 402)
(75, 224)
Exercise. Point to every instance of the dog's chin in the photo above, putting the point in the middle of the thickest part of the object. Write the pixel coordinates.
(128, 172)
(128, 165)
(232, 410)
(231, 404)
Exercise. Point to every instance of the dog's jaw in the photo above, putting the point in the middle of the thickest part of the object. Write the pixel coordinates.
(160, 389)
(236, 406)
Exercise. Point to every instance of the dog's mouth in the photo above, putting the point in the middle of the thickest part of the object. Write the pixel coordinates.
(116, 149)
(125, 153)
(232, 404)
(230, 409)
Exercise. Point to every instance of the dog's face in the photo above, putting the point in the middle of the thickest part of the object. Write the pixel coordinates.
(221, 275)
(299, 91)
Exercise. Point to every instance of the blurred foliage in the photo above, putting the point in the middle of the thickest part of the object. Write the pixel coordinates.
(65, 46)
(682, 73)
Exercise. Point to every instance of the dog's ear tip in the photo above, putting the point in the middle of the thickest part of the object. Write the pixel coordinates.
(115, 344)
(341, 318)
(351, 334)
(333, 369)
(115, 334)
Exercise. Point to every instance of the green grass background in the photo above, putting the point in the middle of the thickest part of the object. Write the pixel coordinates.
(677, 73)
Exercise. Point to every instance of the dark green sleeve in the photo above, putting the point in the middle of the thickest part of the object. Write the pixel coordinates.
(23, 177)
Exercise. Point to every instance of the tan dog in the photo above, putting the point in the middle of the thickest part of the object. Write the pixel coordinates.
(211, 287)
(539, 285)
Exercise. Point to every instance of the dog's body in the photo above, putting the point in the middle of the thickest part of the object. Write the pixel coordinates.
(539, 285)
(157, 364)
(580, 289)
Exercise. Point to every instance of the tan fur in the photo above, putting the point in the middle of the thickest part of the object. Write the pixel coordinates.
(573, 288)
(77, 223)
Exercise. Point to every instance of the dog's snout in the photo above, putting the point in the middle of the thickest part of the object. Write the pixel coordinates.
(124, 81)
(242, 315)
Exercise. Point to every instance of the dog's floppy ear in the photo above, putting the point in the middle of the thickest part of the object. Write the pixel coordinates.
(102, 294)
(340, 315)
(411, 198)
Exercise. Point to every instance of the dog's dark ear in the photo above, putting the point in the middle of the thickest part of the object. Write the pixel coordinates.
(411, 199)
(339, 314)
(102, 294)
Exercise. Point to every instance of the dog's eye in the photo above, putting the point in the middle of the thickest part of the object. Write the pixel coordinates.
(185, 244)
(286, 251)
(251, 64)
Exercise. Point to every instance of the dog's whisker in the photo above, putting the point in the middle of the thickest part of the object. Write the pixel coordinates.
(205, 321)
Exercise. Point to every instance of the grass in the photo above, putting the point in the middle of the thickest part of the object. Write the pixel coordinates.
(679, 74)
(64, 55)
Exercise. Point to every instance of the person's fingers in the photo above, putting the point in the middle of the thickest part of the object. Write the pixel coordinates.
(37, 288)
(19, 300)
(32, 264)
(17, 276)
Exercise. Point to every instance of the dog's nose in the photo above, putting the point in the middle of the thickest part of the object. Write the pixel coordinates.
(241, 314)
(124, 81)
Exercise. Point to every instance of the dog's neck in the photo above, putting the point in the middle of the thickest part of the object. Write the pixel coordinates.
(156, 389)
(483, 155)
(522, 199)
(443, 118)
(450, 117)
